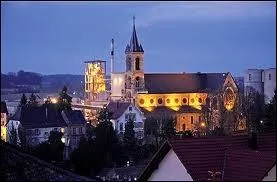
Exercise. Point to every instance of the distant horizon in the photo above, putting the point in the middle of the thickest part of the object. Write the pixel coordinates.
(209, 37)
(108, 74)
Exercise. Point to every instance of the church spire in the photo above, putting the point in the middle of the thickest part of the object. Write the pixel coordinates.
(134, 46)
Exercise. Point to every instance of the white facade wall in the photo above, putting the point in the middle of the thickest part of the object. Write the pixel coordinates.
(117, 85)
(10, 124)
(139, 121)
(271, 175)
(170, 169)
(269, 83)
(38, 135)
(253, 78)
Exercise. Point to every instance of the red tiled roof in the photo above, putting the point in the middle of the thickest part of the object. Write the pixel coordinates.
(200, 155)
(248, 165)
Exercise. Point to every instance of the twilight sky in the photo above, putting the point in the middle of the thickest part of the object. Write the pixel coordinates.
(57, 37)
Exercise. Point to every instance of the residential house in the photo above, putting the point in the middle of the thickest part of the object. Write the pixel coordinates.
(40, 121)
(4, 120)
(122, 112)
(75, 126)
(215, 158)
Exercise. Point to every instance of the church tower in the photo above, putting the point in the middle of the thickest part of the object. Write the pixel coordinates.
(134, 66)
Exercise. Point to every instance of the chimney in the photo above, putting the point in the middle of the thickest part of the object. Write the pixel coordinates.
(252, 140)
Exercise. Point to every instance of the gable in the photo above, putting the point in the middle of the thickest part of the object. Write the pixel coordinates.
(170, 169)
(139, 114)
(230, 82)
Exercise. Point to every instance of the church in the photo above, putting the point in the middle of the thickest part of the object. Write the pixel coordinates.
(180, 95)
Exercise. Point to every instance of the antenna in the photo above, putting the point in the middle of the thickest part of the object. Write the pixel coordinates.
(112, 56)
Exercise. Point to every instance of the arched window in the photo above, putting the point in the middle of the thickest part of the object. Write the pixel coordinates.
(129, 82)
(184, 127)
(160, 100)
(128, 94)
(137, 64)
(137, 82)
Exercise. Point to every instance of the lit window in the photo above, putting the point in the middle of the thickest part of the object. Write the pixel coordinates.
(151, 101)
(192, 100)
(168, 101)
(141, 101)
(62, 130)
(269, 76)
(176, 100)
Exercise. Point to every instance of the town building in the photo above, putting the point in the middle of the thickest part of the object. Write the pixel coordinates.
(75, 127)
(225, 158)
(180, 95)
(261, 80)
(40, 121)
(4, 120)
(121, 113)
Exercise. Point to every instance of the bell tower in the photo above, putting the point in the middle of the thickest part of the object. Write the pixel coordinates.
(134, 66)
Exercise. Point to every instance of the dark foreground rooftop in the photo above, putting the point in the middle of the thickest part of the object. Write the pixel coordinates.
(19, 166)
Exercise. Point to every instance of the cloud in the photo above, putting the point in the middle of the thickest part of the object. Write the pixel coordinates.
(169, 11)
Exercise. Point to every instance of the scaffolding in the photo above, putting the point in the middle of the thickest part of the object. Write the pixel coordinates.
(95, 73)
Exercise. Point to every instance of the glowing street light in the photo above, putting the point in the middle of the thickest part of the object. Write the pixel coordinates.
(54, 100)
(202, 124)
(261, 121)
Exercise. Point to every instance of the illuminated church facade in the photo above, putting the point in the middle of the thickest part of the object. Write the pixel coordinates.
(180, 95)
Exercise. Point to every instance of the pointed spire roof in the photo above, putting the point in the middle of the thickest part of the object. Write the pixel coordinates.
(134, 46)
